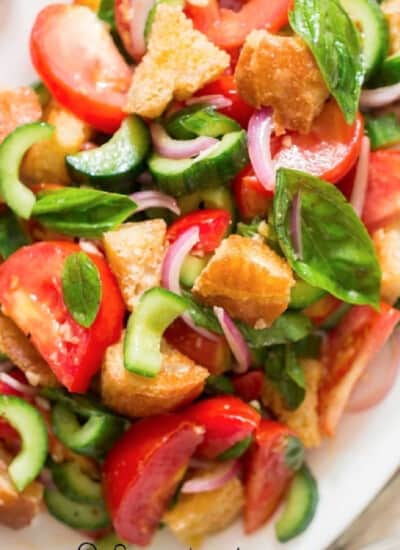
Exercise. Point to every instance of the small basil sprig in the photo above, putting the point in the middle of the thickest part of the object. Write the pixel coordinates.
(337, 252)
(12, 236)
(81, 287)
(336, 45)
(106, 12)
(285, 372)
(82, 212)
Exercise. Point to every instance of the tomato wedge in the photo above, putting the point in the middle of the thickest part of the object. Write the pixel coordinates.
(251, 198)
(270, 466)
(76, 58)
(228, 28)
(248, 386)
(17, 107)
(31, 294)
(141, 473)
(347, 352)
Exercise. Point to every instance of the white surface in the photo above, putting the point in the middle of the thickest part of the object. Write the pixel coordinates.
(350, 469)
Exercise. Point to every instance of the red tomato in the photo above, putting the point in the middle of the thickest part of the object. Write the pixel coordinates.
(269, 469)
(228, 28)
(212, 223)
(212, 354)
(225, 85)
(31, 294)
(328, 151)
(226, 419)
(252, 199)
(382, 201)
(248, 386)
(320, 310)
(141, 473)
(76, 58)
(17, 107)
(346, 354)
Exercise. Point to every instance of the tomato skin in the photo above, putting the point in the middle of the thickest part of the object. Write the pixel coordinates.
(142, 470)
(248, 386)
(33, 299)
(226, 420)
(18, 107)
(79, 63)
(266, 473)
(251, 198)
(212, 223)
(346, 353)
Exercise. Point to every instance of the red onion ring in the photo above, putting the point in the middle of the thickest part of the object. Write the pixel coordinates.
(17, 385)
(154, 199)
(140, 12)
(379, 97)
(218, 477)
(259, 140)
(198, 464)
(361, 178)
(295, 226)
(200, 330)
(175, 256)
(42, 403)
(218, 101)
(91, 247)
(178, 149)
(235, 340)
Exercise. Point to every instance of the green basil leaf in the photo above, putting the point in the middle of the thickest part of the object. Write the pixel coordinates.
(336, 45)
(82, 212)
(383, 131)
(202, 316)
(106, 12)
(310, 346)
(285, 372)
(217, 384)
(12, 236)
(237, 450)
(81, 288)
(338, 254)
(249, 229)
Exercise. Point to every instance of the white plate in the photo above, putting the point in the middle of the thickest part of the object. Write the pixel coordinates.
(350, 469)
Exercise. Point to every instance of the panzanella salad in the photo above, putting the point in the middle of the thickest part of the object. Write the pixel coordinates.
(199, 235)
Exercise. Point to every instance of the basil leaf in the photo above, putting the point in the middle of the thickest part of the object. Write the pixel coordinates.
(336, 45)
(383, 131)
(12, 236)
(338, 255)
(81, 288)
(217, 384)
(237, 450)
(310, 346)
(202, 316)
(285, 372)
(249, 229)
(106, 12)
(82, 212)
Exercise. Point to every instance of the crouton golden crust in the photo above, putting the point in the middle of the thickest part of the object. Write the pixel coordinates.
(198, 515)
(280, 72)
(248, 279)
(10, 110)
(391, 9)
(179, 382)
(304, 420)
(387, 246)
(135, 252)
(179, 61)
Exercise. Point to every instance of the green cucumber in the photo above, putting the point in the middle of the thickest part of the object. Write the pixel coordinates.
(152, 13)
(383, 131)
(213, 168)
(156, 310)
(17, 196)
(300, 506)
(74, 514)
(74, 484)
(29, 423)
(220, 197)
(111, 542)
(83, 405)
(113, 166)
(199, 120)
(303, 295)
(191, 269)
(369, 19)
(389, 73)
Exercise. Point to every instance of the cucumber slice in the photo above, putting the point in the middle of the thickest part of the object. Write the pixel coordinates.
(191, 269)
(30, 425)
(83, 405)
(199, 120)
(113, 165)
(383, 131)
(111, 542)
(220, 197)
(369, 19)
(300, 506)
(303, 295)
(214, 168)
(74, 484)
(74, 514)
(156, 310)
(389, 72)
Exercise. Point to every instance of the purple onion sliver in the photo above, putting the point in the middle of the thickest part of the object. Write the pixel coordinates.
(295, 226)
(154, 199)
(217, 478)
(178, 149)
(359, 190)
(140, 11)
(17, 385)
(259, 142)
(379, 97)
(235, 340)
(175, 257)
(218, 101)
(200, 330)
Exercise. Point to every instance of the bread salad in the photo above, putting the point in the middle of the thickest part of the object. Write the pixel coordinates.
(200, 269)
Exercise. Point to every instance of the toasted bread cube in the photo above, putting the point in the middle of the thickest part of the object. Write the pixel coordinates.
(179, 381)
(391, 10)
(92, 4)
(179, 61)
(24, 355)
(135, 253)
(248, 279)
(304, 420)
(387, 246)
(281, 72)
(19, 106)
(45, 161)
(198, 515)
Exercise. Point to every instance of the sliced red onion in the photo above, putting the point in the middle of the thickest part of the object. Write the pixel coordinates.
(140, 12)
(16, 384)
(259, 141)
(295, 226)
(218, 101)
(198, 464)
(175, 257)
(91, 247)
(379, 97)
(200, 330)
(46, 478)
(178, 149)
(234, 337)
(6, 366)
(154, 199)
(218, 477)
(361, 178)
(42, 403)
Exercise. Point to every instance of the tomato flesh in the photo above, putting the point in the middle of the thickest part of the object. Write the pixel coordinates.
(31, 294)
(251, 198)
(18, 107)
(248, 386)
(79, 63)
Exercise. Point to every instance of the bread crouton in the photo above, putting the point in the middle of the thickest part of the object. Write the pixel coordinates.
(18, 107)
(281, 72)
(92, 4)
(135, 252)
(179, 61)
(387, 246)
(391, 10)
(248, 279)
(304, 420)
(179, 381)
(45, 161)
(24, 355)
(198, 515)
